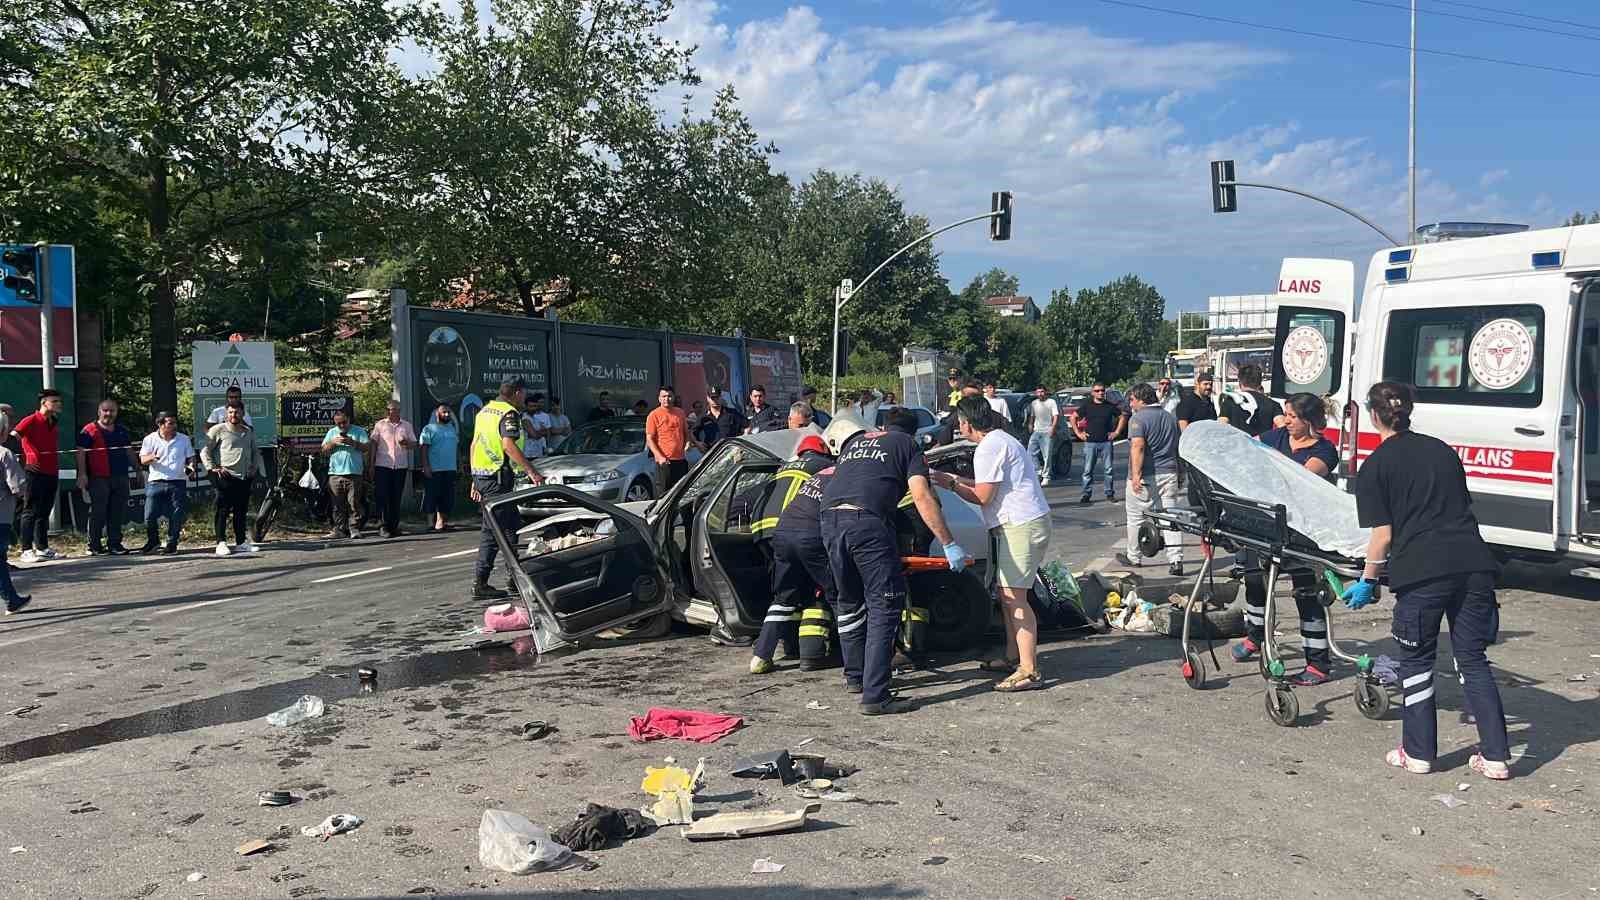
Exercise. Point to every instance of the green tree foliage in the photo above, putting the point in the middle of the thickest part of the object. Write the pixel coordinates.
(1578, 218)
(1100, 333)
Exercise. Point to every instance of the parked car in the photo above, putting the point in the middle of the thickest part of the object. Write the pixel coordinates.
(606, 459)
(1069, 399)
(927, 423)
(595, 565)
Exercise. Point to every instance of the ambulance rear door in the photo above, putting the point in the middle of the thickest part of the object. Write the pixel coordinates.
(1489, 359)
(1311, 351)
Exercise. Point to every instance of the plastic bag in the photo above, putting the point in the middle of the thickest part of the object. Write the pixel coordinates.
(308, 706)
(309, 480)
(510, 843)
(505, 617)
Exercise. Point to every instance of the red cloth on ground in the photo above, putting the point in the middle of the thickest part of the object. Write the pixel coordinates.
(683, 724)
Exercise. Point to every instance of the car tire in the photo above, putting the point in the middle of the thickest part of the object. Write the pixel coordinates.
(958, 609)
(1061, 466)
(640, 489)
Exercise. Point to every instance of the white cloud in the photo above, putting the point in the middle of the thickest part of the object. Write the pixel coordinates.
(1492, 177)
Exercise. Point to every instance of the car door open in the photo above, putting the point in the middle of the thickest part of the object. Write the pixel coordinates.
(601, 576)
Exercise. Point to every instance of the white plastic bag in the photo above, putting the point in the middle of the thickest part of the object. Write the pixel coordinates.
(508, 842)
(309, 480)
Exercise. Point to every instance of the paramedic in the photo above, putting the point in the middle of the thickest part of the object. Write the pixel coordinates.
(874, 471)
(496, 446)
(1412, 493)
(1301, 440)
(792, 546)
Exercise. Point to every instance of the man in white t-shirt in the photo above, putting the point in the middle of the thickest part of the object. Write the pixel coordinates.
(220, 414)
(535, 427)
(1043, 417)
(168, 454)
(998, 404)
(560, 424)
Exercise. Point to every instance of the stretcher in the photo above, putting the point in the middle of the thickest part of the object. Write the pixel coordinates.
(1223, 520)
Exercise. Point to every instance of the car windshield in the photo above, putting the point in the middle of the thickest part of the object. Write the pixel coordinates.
(604, 437)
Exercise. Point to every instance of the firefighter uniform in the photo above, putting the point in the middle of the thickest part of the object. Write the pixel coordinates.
(859, 508)
(492, 476)
(800, 569)
(790, 598)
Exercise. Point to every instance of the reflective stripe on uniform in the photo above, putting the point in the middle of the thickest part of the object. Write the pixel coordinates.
(797, 479)
(488, 454)
(916, 614)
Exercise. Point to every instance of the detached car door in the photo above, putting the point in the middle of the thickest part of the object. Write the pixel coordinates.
(611, 575)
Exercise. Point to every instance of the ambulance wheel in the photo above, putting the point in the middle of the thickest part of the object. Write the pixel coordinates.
(1371, 699)
(1282, 707)
(1194, 670)
(1150, 543)
(958, 608)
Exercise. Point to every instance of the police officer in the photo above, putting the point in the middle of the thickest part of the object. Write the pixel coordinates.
(793, 547)
(496, 447)
(874, 470)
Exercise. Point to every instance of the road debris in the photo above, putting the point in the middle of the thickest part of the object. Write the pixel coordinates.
(275, 798)
(674, 789)
(765, 765)
(817, 705)
(809, 765)
(765, 867)
(936, 860)
(1463, 786)
(503, 617)
(256, 846)
(748, 824)
(1417, 832)
(533, 731)
(1033, 858)
(19, 849)
(332, 825)
(510, 843)
(1450, 801)
(309, 706)
(596, 826)
(682, 724)
(195, 877)
(23, 710)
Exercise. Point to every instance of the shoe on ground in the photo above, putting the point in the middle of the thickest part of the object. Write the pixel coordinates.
(223, 549)
(148, 549)
(1111, 498)
(1126, 560)
(852, 687)
(335, 535)
(48, 554)
(246, 547)
(760, 666)
(1245, 650)
(30, 556)
(1398, 758)
(887, 708)
(1488, 768)
(15, 606)
(119, 550)
(1311, 676)
(354, 534)
(724, 638)
(1175, 570)
(483, 590)
(169, 551)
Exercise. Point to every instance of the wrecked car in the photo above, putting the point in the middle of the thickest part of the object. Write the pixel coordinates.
(590, 565)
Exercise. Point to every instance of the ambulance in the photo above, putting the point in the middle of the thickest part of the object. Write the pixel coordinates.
(1501, 337)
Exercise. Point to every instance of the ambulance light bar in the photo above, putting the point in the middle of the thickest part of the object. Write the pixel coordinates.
(1397, 274)
(1550, 259)
(1398, 257)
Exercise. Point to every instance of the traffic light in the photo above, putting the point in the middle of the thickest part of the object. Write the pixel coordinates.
(1224, 196)
(25, 282)
(1000, 225)
(843, 351)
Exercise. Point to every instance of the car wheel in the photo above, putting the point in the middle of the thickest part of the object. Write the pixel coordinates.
(641, 489)
(957, 605)
(1062, 466)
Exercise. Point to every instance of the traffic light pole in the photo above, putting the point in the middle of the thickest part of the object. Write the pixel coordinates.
(47, 360)
(1344, 209)
(846, 290)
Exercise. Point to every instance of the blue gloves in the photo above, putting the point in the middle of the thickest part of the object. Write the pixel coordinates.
(1360, 594)
(956, 556)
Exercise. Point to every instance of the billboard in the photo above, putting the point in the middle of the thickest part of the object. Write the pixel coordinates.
(775, 366)
(700, 363)
(461, 358)
(19, 319)
(304, 419)
(251, 366)
(624, 362)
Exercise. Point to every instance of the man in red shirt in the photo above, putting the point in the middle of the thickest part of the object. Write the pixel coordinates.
(41, 445)
(666, 433)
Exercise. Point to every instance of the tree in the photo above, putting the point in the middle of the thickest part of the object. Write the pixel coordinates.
(193, 119)
(1100, 333)
(1577, 218)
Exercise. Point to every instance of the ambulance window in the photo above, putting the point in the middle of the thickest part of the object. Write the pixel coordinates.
(1471, 355)
(1309, 353)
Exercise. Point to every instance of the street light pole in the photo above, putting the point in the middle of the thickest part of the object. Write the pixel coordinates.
(1309, 196)
(1412, 164)
(47, 356)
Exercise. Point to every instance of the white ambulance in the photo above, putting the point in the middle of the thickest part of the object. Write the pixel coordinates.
(1501, 336)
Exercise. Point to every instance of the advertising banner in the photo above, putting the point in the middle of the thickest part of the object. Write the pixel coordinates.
(624, 362)
(701, 363)
(248, 365)
(304, 419)
(463, 357)
(775, 366)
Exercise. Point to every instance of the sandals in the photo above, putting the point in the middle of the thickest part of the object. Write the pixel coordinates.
(998, 664)
(1020, 681)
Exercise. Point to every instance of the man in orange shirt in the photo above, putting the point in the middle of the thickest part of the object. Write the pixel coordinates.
(666, 434)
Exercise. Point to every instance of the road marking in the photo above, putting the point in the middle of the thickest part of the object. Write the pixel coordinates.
(175, 609)
(31, 637)
(456, 554)
(352, 575)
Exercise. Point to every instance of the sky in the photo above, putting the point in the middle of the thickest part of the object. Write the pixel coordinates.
(1101, 117)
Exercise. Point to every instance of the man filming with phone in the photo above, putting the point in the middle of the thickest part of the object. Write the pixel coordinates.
(345, 446)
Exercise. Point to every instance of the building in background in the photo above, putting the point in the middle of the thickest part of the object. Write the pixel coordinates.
(1013, 306)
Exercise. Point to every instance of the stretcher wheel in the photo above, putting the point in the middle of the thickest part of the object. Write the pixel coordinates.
(1150, 542)
(1371, 698)
(1282, 707)
(1194, 670)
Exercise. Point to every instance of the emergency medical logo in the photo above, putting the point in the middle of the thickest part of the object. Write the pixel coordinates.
(1305, 355)
(1501, 354)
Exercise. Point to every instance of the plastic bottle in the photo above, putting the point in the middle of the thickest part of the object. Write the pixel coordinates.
(307, 707)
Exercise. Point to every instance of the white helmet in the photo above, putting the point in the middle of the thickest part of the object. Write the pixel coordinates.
(843, 427)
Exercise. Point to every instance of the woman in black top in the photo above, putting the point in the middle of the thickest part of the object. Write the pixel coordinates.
(1301, 440)
(1412, 493)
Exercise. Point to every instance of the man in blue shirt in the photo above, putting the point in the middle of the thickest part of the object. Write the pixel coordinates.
(441, 441)
(345, 446)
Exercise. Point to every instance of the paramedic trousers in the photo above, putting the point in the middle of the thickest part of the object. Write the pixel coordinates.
(505, 516)
(799, 569)
(1160, 492)
(864, 557)
(1313, 617)
(1467, 600)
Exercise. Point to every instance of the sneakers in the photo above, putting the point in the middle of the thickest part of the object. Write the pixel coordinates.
(1245, 650)
(47, 554)
(760, 666)
(1488, 768)
(30, 557)
(1085, 500)
(852, 687)
(887, 708)
(1175, 570)
(1127, 560)
(15, 606)
(1311, 677)
(246, 547)
(1398, 758)
(223, 549)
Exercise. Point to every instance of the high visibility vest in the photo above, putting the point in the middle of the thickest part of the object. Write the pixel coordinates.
(488, 455)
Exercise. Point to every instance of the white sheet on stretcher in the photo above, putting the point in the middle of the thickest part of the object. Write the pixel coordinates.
(1319, 511)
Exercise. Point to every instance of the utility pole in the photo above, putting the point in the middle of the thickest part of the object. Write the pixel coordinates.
(1411, 234)
(47, 356)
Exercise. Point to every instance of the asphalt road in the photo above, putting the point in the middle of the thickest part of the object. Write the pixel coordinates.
(141, 764)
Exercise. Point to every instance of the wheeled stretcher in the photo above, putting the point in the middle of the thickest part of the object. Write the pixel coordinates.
(1226, 521)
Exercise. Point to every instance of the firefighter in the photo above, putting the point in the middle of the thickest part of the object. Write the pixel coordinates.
(788, 541)
(496, 446)
(874, 470)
